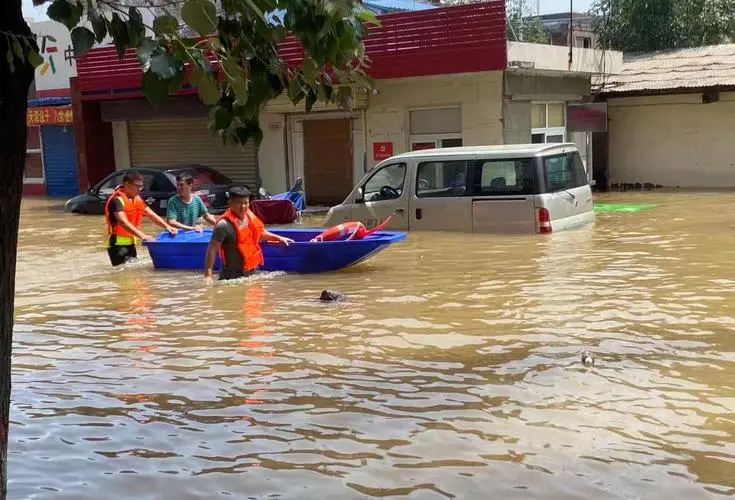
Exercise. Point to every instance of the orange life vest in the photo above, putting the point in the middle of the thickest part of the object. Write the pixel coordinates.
(355, 230)
(248, 239)
(134, 210)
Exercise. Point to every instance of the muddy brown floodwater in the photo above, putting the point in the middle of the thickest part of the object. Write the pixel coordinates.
(451, 370)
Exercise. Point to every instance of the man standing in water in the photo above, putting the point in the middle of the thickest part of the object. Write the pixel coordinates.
(184, 210)
(124, 212)
(237, 236)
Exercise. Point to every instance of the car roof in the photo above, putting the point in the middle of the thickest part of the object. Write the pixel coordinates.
(499, 151)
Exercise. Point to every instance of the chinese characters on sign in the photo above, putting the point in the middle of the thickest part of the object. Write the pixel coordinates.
(49, 116)
(382, 150)
(48, 49)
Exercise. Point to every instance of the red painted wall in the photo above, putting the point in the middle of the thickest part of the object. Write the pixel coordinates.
(443, 41)
(95, 148)
(34, 189)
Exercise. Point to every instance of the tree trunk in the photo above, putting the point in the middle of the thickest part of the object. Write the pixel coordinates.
(14, 87)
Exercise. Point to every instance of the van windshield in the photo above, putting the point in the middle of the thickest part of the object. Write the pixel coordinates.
(513, 176)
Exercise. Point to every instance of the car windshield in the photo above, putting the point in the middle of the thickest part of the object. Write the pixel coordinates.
(202, 176)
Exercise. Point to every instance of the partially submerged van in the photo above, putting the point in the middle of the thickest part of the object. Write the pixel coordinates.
(521, 188)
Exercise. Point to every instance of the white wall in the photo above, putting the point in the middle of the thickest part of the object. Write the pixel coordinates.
(479, 95)
(556, 57)
(121, 145)
(672, 141)
(272, 153)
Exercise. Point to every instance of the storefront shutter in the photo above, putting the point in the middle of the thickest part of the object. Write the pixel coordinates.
(184, 141)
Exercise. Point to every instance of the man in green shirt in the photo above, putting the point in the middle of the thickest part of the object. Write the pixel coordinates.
(185, 209)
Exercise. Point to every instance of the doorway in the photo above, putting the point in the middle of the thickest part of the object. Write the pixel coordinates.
(327, 161)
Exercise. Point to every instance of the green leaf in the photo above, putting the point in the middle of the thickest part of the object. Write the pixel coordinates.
(295, 91)
(309, 70)
(255, 9)
(18, 50)
(60, 11)
(99, 24)
(200, 15)
(11, 62)
(310, 99)
(165, 65)
(82, 39)
(145, 51)
(240, 87)
(221, 118)
(197, 74)
(34, 58)
(119, 33)
(136, 28)
(174, 83)
(231, 68)
(344, 97)
(154, 88)
(367, 16)
(166, 25)
(208, 91)
(51, 39)
(64, 12)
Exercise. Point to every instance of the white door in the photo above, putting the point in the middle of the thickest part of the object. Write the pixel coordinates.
(442, 199)
(383, 195)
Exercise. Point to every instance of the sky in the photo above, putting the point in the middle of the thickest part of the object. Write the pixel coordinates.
(546, 6)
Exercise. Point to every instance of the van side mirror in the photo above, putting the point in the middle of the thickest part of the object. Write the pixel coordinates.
(360, 195)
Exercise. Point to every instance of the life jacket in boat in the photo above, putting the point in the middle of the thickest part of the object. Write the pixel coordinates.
(355, 230)
(134, 210)
(248, 239)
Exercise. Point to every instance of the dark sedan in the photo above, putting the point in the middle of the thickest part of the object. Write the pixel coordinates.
(158, 186)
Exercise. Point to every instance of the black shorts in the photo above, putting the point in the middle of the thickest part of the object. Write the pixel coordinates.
(228, 274)
(121, 254)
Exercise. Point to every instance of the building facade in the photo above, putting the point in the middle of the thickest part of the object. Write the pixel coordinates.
(444, 82)
(670, 121)
(51, 162)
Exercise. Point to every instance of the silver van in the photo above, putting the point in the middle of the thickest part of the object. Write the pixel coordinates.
(520, 188)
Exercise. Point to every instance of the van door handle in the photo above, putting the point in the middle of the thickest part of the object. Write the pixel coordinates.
(400, 211)
(419, 214)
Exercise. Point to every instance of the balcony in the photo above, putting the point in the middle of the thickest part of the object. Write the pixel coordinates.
(442, 41)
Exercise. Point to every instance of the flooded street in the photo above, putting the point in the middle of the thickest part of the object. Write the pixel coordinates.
(451, 370)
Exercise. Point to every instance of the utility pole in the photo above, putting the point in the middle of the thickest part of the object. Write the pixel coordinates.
(571, 32)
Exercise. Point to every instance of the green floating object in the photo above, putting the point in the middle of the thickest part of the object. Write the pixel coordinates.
(607, 208)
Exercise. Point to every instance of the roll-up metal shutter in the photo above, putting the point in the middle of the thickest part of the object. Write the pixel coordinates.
(184, 141)
(60, 160)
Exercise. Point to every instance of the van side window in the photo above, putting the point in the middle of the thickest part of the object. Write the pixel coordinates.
(436, 179)
(386, 183)
(504, 177)
(564, 171)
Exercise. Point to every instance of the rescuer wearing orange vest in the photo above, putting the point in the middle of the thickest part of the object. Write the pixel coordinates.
(124, 212)
(237, 236)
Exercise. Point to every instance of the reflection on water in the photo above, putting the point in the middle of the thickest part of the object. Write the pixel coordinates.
(451, 370)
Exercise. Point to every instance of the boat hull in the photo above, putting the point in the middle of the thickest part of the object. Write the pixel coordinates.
(186, 251)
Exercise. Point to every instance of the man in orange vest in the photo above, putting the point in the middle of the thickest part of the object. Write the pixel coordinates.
(237, 236)
(124, 212)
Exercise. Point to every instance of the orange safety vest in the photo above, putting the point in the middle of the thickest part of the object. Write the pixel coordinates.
(134, 210)
(248, 239)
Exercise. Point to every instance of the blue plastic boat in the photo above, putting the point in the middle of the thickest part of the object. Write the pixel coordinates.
(187, 251)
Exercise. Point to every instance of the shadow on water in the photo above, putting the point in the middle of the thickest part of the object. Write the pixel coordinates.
(451, 369)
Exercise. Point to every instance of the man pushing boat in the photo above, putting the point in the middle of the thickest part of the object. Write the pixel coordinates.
(236, 237)
(124, 212)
